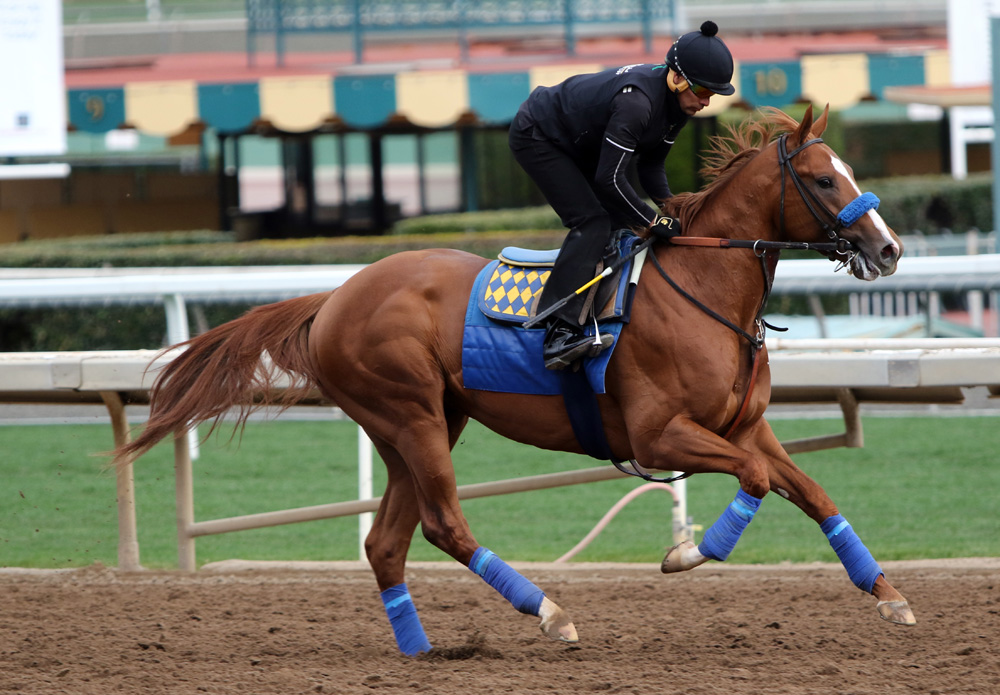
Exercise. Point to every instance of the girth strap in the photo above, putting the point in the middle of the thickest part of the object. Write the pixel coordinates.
(584, 414)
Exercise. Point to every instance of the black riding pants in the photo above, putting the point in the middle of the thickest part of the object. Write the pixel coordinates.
(568, 190)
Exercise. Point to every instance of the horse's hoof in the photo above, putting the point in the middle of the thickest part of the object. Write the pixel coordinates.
(682, 557)
(896, 612)
(555, 623)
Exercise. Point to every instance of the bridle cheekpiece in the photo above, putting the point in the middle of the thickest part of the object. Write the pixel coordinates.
(832, 224)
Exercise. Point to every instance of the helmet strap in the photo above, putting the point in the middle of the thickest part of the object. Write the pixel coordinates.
(672, 85)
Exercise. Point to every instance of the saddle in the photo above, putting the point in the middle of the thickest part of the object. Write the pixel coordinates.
(500, 355)
(514, 282)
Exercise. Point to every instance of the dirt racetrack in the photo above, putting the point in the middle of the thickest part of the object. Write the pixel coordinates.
(719, 629)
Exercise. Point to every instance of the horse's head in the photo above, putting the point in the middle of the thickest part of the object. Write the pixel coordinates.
(819, 197)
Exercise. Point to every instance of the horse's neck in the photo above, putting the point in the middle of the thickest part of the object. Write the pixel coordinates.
(745, 208)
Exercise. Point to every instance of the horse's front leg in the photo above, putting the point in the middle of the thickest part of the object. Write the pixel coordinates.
(684, 445)
(789, 481)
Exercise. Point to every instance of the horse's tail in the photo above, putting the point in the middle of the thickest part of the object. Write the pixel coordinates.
(227, 367)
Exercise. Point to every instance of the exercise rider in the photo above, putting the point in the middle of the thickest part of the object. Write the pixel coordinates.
(576, 140)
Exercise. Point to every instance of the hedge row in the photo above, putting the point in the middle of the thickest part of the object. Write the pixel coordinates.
(910, 205)
(926, 204)
(932, 204)
(205, 248)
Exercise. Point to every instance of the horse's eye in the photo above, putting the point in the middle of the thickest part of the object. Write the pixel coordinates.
(825, 182)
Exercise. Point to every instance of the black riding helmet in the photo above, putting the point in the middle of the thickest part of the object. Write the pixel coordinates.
(701, 57)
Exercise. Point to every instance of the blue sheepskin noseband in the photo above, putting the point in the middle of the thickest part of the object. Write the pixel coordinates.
(853, 211)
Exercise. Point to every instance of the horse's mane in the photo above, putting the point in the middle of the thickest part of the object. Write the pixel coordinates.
(727, 153)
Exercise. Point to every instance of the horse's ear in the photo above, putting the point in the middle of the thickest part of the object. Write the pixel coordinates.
(802, 132)
(819, 125)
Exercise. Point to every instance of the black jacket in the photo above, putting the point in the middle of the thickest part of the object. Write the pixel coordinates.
(601, 120)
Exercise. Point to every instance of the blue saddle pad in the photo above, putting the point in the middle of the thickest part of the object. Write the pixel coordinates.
(500, 355)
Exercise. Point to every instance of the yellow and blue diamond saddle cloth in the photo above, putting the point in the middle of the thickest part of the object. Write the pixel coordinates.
(498, 354)
(509, 288)
(513, 287)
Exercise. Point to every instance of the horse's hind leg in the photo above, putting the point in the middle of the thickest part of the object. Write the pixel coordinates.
(417, 497)
(387, 545)
(793, 484)
(444, 525)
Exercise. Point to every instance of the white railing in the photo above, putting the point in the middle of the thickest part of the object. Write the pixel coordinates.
(172, 287)
(914, 289)
(838, 375)
(919, 278)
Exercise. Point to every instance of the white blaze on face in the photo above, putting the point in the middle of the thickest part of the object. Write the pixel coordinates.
(875, 217)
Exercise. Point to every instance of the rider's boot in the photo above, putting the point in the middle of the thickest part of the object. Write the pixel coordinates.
(566, 343)
(581, 253)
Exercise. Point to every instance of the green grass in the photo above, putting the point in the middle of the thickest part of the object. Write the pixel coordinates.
(921, 487)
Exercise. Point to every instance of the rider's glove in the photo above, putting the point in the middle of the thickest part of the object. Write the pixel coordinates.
(665, 226)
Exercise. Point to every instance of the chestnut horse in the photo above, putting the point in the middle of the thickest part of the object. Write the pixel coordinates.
(682, 390)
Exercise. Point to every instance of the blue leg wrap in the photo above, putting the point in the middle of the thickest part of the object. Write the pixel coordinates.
(721, 538)
(859, 563)
(404, 620)
(522, 594)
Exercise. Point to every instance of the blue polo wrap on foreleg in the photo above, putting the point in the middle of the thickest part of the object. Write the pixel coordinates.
(721, 538)
(859, 563)
(410, 636)
(853, 211)
(522, 594)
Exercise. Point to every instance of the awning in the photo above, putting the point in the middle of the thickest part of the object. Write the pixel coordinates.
(945, 96)
(449, 97)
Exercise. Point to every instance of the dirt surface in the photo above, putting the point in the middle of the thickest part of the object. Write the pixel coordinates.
(718, 629)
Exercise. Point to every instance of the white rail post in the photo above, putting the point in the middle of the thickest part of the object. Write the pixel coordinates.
(178, 330)
(184, 495)
(682, 527)
(974, 299)
(128, 537)
(995, 306)
(364, 489)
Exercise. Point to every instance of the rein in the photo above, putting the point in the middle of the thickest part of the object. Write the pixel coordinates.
(768, 262)
(768, 251)
(840, 246)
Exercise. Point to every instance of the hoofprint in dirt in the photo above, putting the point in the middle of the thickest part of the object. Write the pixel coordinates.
(319, 627)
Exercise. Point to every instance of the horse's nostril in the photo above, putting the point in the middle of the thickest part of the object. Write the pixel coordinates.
(889, 253)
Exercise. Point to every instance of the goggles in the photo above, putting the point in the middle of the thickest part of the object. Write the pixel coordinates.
(698, 90)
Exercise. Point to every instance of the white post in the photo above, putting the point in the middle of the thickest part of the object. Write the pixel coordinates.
(364, 489)
(995, 306)
(956, 132)
(683, 530)
(184, 499)
(976, 310)
(128, 536)
(178, 331)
